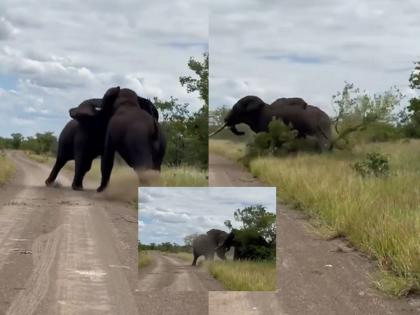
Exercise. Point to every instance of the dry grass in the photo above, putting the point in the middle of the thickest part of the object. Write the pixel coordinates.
(244, 275)
(144, 259)
(227, 148)
(380, 216)
(6, 168)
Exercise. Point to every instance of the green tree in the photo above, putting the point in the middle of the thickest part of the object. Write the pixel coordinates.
(356, 111)
(16, 140)
(200, 84)
(258, 219)
(411, 117)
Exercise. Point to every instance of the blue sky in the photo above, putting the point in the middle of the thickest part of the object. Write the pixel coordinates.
(170, 214)
(282, 48)
(54, 56)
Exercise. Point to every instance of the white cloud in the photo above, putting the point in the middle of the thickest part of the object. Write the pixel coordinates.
(170, 214)
(64, 53)
(308, 49)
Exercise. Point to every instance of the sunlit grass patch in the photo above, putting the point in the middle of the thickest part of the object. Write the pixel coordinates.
(6, 168)
(380, 216)
(244, 275)
(227, 148)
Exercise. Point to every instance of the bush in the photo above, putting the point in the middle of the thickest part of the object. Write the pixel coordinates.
(280, 139)
(375, 164)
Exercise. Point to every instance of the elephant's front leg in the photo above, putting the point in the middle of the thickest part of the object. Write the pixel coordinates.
(107, 163)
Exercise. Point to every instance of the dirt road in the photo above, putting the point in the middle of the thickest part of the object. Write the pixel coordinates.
(172, 286)
(64, 252)
(168, 273)
(315, 276)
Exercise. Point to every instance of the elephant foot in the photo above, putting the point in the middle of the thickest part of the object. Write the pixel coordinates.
(100, 189)
(49, 182)
(77, 187)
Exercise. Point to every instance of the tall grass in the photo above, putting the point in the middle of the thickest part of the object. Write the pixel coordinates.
(6, 168)
(244, 275)
(227, 148)
(145, 259)
(380, 216)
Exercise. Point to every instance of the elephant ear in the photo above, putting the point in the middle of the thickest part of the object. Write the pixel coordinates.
(216, 236)
(87, 109)
(148, 106)
(254, 104)
(109, 97)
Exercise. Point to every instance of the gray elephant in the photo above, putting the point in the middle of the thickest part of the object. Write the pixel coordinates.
(213, 242)
(308, 120)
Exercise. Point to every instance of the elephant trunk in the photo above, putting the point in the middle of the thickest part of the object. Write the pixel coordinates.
(236, 131)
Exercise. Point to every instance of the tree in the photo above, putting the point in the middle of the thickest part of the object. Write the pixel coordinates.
(16, 140)
(411, 117)
(200, 84)
(258, 219)
(356, 110)
(217, 116)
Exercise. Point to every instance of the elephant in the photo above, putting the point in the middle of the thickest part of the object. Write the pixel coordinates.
(248, 245)
(132, 132)
(82, 139)
(214, 241)
(308, 120)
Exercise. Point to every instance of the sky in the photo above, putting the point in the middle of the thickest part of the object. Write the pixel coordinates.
(55, 55)
(170, 214)
(308, 49)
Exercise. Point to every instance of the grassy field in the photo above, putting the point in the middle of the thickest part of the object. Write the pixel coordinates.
(244, 275)
(6, 168)
(380, 216)
(239, 275)
(144, 259)
(227, 148)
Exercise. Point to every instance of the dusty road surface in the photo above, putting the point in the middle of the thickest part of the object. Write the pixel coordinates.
(172, 286)
(64, 252)
(315, 276)
(170, 274)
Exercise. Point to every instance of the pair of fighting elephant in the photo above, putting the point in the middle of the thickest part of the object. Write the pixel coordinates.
(307, 119)
(246, 245)
(120, 122)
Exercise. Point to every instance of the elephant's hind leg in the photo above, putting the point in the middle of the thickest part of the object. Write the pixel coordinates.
(59, 163)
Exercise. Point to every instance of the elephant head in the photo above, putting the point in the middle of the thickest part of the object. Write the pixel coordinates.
(88, 109)
(109, 98)
(244, 111)
(148, 106)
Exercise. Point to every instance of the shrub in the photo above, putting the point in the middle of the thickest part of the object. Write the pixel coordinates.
(375, 164)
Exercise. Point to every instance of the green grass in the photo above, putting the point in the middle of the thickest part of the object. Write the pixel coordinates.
(380, 216)
(144, 259)
(184, 256)
(244, 275)
(183, 176)
(6, 168)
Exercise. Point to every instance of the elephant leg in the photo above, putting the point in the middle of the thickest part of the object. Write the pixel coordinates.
(194, 263)
(59, 163)
(79, 171)
(107, 163)
(84, 166)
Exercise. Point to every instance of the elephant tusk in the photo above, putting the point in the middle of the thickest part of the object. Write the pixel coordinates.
(217, 131)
